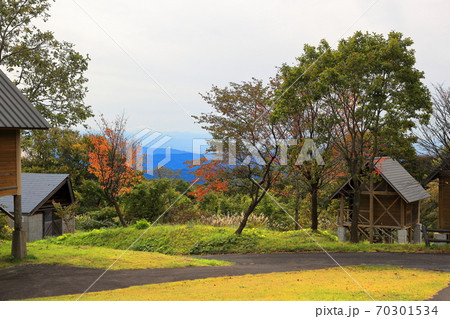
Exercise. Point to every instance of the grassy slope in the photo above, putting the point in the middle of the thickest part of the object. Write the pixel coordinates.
(181, 239)
(382, 283)
(93, 257)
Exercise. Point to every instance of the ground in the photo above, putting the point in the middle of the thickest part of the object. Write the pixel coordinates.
(32, 281)
(331, 284)
(94, 257)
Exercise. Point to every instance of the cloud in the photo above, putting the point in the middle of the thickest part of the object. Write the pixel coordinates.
(190, 45)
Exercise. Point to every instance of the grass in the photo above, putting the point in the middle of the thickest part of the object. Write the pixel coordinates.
(382, 283)
(94, 257)
(199, 239)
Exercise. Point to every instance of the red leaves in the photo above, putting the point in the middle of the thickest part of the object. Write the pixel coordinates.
(208, 173)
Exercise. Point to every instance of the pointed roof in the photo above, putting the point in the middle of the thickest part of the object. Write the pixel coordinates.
(37, 189)
(398, 178)
(16, 112)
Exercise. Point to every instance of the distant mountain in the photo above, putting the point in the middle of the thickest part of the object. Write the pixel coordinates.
(175, 162)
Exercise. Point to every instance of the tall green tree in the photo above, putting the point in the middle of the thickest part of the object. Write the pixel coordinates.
(62, 151)
(372, 97)
(49, 72)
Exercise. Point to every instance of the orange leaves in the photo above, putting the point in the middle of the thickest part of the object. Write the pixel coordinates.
(208, 173)
(108, 163)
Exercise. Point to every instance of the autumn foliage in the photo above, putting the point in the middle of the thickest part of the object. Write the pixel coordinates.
(108, 159)
(208, 177)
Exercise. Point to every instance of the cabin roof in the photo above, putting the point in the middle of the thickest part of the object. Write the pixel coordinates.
(398, 178)
(16, 112)
(36, 190)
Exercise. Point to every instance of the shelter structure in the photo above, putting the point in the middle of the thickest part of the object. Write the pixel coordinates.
(442, 175)
(16, 113)
(39, 191)
(389, 205)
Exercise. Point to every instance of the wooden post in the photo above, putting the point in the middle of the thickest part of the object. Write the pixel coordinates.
(341, 211)
(371, 217)
(19, 242)
(402, 214)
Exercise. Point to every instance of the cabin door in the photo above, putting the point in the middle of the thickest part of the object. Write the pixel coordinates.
(52, 224)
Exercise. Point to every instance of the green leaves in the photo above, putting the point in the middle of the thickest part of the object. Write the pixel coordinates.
(49, 72)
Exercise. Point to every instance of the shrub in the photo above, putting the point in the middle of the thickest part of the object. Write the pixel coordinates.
(142, 224)
(87, 222)
(234, 220)
(5, 230)
(149, 199)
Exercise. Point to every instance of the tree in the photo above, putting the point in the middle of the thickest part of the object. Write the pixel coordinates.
(61, 151)
(372, 96)
(250, 140)
(150, 199)
(108, 158)
(435, 138)
(49, 72)
(302, 116)
(67, 214)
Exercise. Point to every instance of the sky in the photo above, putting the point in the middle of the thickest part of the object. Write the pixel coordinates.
(151, 59)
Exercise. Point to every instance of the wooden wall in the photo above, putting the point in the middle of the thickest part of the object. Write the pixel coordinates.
(444, 201)
(9, 162)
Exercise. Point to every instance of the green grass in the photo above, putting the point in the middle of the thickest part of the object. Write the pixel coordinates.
(382, 283)
(94, 257)
(199, 239)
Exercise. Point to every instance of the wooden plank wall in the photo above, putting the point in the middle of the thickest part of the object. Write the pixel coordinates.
(8, 162)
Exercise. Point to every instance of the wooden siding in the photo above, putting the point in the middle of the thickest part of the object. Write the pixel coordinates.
(8, 162)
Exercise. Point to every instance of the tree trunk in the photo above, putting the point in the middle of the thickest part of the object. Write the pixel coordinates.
(119, 213)
(244, 220)
(354, 238)
(314, 210)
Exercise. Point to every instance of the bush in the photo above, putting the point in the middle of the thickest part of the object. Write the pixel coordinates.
(142, 224)
(5, 230)
(254, 220)
(149, 199)
(104, 218)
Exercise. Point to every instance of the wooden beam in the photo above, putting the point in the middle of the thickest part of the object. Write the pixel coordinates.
(386, 210)
(380, 193)
(402, 213)
(371, 230)
(4, 211)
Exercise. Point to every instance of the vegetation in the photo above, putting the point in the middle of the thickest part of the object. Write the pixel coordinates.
(49, 72)
(369, 95)
(108, 162)
(198, 239)
(92, 257)
(382, 283)
(240, 119)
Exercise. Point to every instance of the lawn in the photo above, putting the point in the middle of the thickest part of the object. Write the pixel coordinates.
(200, 239)
(94, 257)
(382, 283)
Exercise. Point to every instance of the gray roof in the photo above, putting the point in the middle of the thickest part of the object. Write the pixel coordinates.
(15, 110)
(36, 190)
(399, 179)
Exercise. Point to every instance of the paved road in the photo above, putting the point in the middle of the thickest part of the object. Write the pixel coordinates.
(38, 280)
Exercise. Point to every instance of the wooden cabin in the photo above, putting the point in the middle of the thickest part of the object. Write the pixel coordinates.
(442, 174)
(16, 113)
(389, 207)
(39, 215)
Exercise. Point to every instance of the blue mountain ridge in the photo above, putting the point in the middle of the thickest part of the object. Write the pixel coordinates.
(175, 163)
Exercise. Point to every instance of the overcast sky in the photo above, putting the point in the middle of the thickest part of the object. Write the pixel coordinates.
(187, 46)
